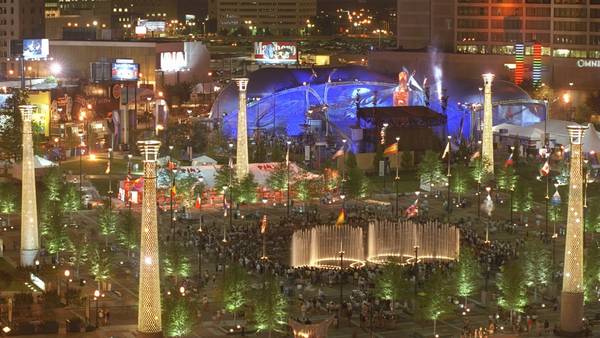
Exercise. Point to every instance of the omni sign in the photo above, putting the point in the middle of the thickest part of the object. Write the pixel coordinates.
(588, 63)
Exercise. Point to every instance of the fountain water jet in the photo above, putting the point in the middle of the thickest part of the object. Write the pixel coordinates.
(390, 240)
(320, 247)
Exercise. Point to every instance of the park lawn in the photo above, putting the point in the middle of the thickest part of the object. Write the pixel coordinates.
(98, 166)
(408, 182)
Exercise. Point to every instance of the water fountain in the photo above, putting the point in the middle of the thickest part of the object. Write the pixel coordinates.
(407, 240)
(320, 247)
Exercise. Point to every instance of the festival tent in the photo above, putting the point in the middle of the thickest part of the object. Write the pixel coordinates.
(531, 133)
(557, 130)
(40, 164)
(203, 160)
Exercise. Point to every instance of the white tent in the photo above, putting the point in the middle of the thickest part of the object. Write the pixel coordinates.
(40, 164)
(532, 133)
(203, 160)
(591, 140)
(557, 130)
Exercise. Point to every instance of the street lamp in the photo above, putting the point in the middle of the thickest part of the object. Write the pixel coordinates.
(263, 229)
(67, 280)
(343, 172)
(172, 194)
(397, 178)
(109, 169)
(81, 150)
(287, 160)
(97, 298)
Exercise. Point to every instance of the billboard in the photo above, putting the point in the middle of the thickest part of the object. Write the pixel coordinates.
(152, 26)
(35, 49)
(173, 61)
(275, 52)
(125, 71)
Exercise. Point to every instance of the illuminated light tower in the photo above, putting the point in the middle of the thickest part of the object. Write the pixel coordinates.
(149, 305)
(241, 162)
(571, 297)
(30, 242)
(487, 138)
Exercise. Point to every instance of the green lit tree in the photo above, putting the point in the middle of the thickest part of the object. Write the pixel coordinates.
(245, 192)
(523, 199)
(478, 173)
(101, 266)
(592, 219)
(357, 184)
(467, 274)
(128, 232)
(278, 179)
(234, 288)
(8, 200)
(176, 263)
(537, 265)
(406, 160)
(179, 316)
(225, 176)
(434, 301)
(187, 187)
(11, 128)
(107, 222)
(507, 181)
(459, 182)
(430, 169)
(511, 283)
(54, 231)
(392, 284)
(270, 307)
(591, 272)
(70, 200)
(54, 184)
(80, 255)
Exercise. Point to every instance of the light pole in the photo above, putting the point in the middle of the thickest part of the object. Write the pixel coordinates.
(81, 150)
(449, 175)
(200, 254)
(109, 170)
(128, 197)
(489, 211)
(341, 283)
(263, 229)
(287, 160)
(397, 178)
(230, 193)
(343, 174)
(172, 194)
(67, 275)
(97, 298)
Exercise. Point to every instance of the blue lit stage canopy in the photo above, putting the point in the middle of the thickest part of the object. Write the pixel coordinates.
(279, 99)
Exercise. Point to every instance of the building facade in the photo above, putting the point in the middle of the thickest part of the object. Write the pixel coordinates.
(18, 20)
(565, 28)
(281, 17)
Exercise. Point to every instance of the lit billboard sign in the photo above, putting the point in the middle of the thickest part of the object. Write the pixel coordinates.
(275, 52)
(152, 26)
(588, 63)
(125, 71)
(173, 61)
(35, 49)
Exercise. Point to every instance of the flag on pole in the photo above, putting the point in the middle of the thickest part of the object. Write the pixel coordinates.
(198, 203)
(475, 155)
(173, 191)
(446, 150)
(412, 210)
(263, 224)
(341, 219)
(107, 171)
(338, 153)
(230, 162)
(392, 149)
(287, 156)
(171, 165)
(509, 161)
(545, 170)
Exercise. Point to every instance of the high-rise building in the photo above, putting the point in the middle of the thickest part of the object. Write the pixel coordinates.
(424, 23)
(19, 20)
(272, 16)
(564, 28)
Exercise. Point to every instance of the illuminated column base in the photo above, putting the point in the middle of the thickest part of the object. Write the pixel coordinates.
(28, 257)
(571, 314)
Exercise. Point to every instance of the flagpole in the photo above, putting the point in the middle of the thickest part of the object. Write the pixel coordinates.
(110, 192)
(397, 178)
(287, 164)
(449, 174)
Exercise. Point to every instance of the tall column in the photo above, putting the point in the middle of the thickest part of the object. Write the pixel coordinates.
(29, 221)
(487, 138)
(241, 162)
(149, 304)
(571, 309)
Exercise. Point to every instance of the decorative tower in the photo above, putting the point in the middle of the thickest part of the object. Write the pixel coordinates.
(29, 220)
(571, 297)
(149, 305)
(487, 138)
(241, 163)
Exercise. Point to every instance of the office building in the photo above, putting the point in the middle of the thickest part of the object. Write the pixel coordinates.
(279, 17)
(424, 23)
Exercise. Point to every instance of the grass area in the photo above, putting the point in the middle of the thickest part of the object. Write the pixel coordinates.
(98, 166)
(408, 182)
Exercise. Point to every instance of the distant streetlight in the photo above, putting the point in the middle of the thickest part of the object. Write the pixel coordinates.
(55, 68)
